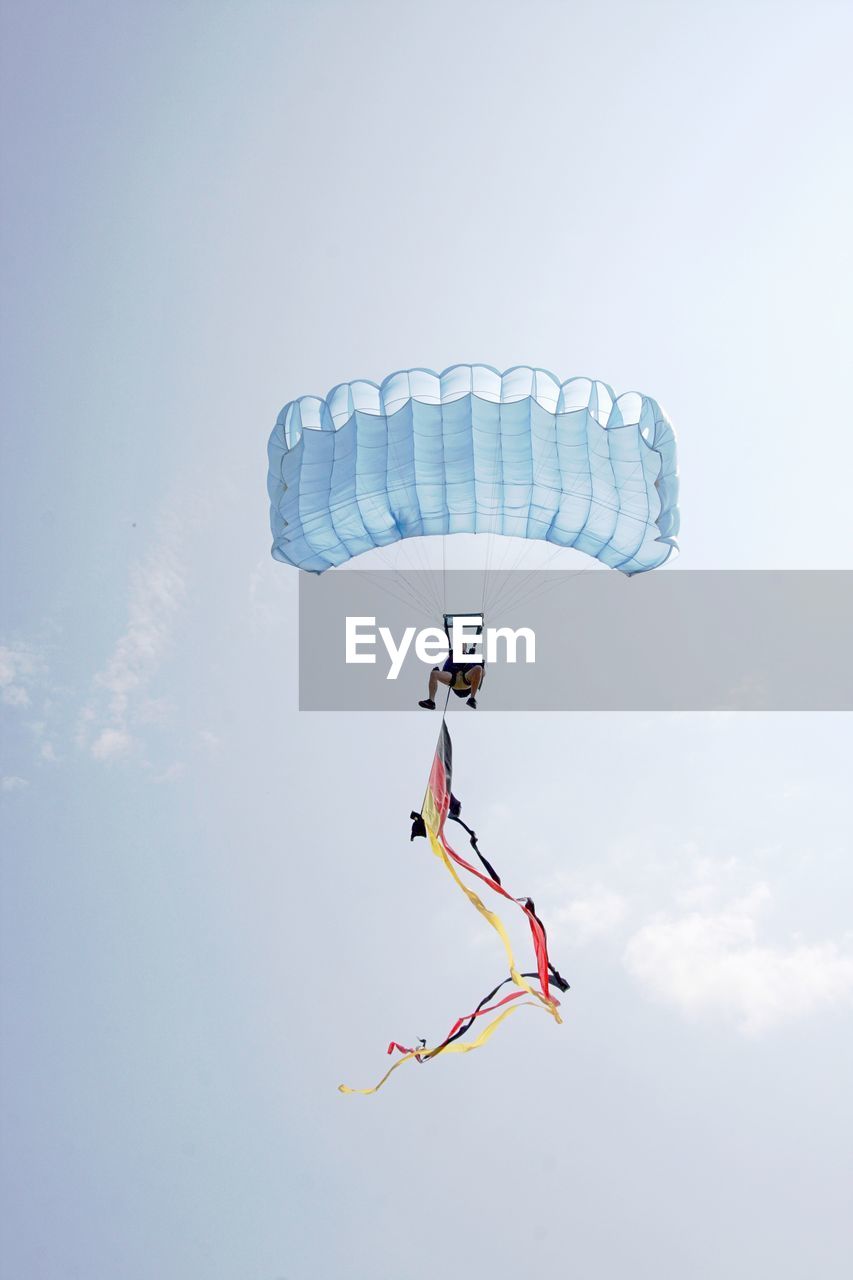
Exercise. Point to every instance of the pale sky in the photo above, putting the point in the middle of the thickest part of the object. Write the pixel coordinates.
(211, 911)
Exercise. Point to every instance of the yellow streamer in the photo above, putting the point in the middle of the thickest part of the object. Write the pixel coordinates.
(458, 1046)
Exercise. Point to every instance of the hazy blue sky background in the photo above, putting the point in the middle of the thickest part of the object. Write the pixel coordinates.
(211, 913)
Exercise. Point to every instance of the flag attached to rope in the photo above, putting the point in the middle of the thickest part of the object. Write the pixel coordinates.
(439, 806)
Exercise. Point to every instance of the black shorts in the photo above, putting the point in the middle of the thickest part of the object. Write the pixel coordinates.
(462, 669)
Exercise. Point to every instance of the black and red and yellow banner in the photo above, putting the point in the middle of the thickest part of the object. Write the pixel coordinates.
(440, 805)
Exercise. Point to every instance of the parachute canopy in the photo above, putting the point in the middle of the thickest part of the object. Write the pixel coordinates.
(473, 450)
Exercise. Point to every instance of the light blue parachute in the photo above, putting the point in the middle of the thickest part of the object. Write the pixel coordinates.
(473, 450)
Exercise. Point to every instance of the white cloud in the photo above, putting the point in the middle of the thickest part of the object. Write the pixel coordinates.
(14, 695)
(9, 782)
(121, 702)
(110, 743)
(714, 964)
(170, 774)
(156, 595)
(156, 711)
(18, 669)
(597, 914)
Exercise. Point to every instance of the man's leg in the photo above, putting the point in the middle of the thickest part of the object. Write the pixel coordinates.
(474, 678)
(436, 677)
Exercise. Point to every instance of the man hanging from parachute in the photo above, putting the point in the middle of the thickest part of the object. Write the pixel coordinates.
(473, 450)
(462, 677)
